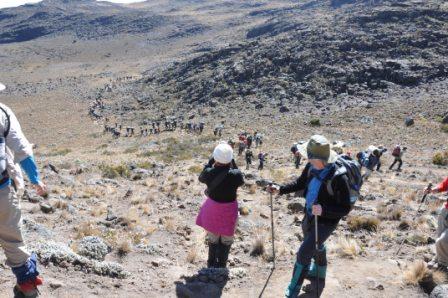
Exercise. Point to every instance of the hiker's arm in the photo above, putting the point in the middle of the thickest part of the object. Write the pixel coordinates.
(22, 149)
(342, 196)
(297, 185)
(443, 186)
(203, 177)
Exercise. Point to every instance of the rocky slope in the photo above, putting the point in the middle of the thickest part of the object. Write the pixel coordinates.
(314, 55)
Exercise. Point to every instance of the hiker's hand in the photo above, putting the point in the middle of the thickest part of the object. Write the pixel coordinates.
(274, 189)
(317, 210)
(41, 189)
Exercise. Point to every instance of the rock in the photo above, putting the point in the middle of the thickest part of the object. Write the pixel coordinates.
(409, 121)
(56, 284)
(94, 248)
(262, 215)
(46, 208)
(284, 109)
(60, 254)
(295, 207)
(244, 210)
(441, 291)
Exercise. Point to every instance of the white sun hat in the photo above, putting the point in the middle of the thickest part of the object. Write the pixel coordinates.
(223, 153)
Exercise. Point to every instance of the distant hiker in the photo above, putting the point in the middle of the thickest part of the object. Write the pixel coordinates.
(325, 185)
(381, 150)
(201, 127)
(372, 161)
(258, 140)
(261, 160)
(241, 145)
(397, 153)
(296, 154)
(14, 147)
(441, 259)
(219, 213)
(249, 141)
(249, 156)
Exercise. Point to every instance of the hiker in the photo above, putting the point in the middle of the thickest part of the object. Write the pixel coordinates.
(372, 161)
(382, 150)
(249, 156)
(219, 213)
(15, 148)
(297, 155)
(319, 175)
(241, 145)
(397, 153)
(441, 259)
(258, 140)
(249, 141)
(261, 160)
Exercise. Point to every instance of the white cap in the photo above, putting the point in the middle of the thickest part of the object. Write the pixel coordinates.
(2, 87)
(223, 153)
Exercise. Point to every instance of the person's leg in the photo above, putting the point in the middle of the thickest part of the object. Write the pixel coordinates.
(18, 258)
(392, 165)
(213, 246)
(400, 163)
(224, 249)
(442, 249)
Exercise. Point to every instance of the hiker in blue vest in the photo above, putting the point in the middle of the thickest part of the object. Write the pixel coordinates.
(330, 206)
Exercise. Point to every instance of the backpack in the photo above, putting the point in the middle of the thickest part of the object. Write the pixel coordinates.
(350, 170)
(363, 158)
(396, 152)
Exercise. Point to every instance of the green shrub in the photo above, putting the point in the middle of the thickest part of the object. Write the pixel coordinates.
(444, 128)
(115, 171)
(315, 122)
(440, 158)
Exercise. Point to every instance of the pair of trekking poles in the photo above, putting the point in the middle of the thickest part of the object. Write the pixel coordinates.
(316, 243)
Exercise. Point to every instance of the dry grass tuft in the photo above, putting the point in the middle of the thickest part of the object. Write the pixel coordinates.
(192, 254)
(258, 248)
(369, 223)
(416, 273)
(87, 229)
(390, 212)
(123, 248)
(347, 247)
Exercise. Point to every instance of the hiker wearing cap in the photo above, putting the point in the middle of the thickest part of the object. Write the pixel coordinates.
(15, 148)
(330, 206)
(296, 154)
(397, 153)
(381, 150)
(219, 213)
(441, 259)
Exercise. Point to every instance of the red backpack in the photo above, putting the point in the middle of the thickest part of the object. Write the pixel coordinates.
(396, 152)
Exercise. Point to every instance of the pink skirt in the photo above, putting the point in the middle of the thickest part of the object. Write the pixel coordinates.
(218, 218)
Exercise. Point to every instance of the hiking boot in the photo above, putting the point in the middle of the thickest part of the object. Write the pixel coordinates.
(28, 289)
(212, 255)
(222, 255)
(311, 288)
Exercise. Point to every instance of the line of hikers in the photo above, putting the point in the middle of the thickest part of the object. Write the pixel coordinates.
(330, 182)
(154, 128)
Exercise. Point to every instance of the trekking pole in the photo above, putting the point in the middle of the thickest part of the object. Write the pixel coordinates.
(273, 244)
(272, 231)
(316, 236)
(416, 214)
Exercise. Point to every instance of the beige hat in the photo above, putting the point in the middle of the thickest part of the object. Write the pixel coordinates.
(318, 147)
(2, 87)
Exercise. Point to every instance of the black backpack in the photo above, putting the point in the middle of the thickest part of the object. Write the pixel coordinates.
(350, 170)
